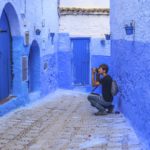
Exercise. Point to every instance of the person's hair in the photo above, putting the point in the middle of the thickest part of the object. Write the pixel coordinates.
(104, 67)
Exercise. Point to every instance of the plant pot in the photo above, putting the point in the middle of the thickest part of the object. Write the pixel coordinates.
(38, 31)
(107, 36)
(129, 30)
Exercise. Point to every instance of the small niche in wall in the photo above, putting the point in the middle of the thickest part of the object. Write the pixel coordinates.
(43, 44)
(102, 42)
(43, 23)
(26, 38)
(45, 66)
(52, 35)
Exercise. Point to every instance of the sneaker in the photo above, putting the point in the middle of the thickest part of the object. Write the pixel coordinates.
(100, 113)
(92, 105)
(117, 112)
(110, 109)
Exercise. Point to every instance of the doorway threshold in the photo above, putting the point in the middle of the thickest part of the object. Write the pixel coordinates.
(7, 99)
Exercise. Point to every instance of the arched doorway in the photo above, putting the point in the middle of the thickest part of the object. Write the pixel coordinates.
(5, 57)
(9, 27)
(34, 68)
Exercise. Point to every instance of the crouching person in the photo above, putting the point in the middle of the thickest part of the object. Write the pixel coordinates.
(102, 102)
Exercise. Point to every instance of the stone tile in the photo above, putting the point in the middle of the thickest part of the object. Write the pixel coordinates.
(65, 124)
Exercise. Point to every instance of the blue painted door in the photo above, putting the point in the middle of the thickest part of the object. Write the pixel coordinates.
(5, 57)
(34, 68)
(81, 59)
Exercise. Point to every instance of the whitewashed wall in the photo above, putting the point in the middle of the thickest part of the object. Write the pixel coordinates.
(85, 25)
(85, 3)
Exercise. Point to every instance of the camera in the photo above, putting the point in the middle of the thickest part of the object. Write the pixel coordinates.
(95, 69)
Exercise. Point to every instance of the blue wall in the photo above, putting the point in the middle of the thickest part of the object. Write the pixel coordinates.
(131, 68)
(131, 61)
(96, 60)
(46, 66)
(64, 62)
(48, 74)
(65, 77)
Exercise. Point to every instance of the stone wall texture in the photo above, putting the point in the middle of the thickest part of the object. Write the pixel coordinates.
(131, 61)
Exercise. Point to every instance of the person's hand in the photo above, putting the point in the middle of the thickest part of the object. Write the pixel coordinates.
(93, 70)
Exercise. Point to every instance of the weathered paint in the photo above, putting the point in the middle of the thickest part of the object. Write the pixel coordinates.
(24, 17)
(130, 59)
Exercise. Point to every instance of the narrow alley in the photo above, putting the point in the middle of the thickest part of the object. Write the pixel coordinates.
(53, 53)
(65, 121)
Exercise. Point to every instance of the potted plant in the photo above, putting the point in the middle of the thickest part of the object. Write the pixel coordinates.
(107, 36)
(38, 31)
(129, 29)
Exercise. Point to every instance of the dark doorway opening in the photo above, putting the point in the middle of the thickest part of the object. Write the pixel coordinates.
(34, 68)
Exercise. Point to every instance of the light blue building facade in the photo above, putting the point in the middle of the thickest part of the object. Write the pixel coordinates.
(35, 59)
(130, 23)
(28, 49)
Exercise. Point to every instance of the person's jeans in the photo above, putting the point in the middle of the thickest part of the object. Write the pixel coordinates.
(98, 102)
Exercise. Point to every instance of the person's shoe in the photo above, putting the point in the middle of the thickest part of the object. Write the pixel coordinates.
(100, 113)
(110, 109)
(92, 105)
(117, 112)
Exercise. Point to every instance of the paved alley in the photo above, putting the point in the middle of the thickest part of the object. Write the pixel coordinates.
(65, 121)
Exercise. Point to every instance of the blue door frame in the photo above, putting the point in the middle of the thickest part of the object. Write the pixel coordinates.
(5, 57)
(81, 60)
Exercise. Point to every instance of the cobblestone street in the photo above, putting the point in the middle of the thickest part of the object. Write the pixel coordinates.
(65, 122)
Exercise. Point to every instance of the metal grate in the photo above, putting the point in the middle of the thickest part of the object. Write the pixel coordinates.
(24, 68)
